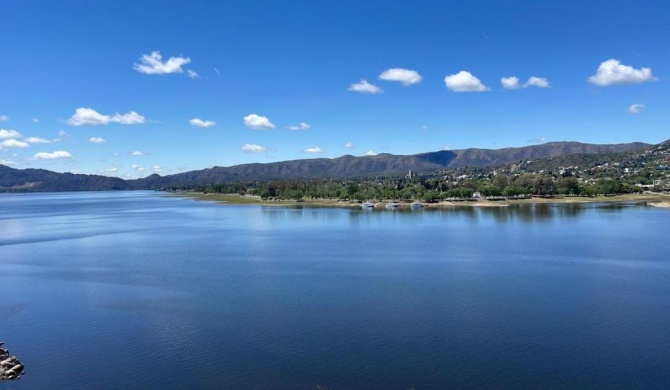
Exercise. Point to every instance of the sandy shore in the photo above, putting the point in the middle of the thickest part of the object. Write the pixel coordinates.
(657, 200)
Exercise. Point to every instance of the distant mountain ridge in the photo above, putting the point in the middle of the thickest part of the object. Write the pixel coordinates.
(342, 167)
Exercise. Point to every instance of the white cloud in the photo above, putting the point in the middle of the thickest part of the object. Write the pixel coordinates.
(35, 120)
(37, 140)
(258, 122)
(87, 116)
(464, 81)
(201, 123)
(108, 170)
(8, 163)
(192, 74)
(157, 169)
(153, 64)
(539, 82)
(513, 82)
(537, 140)
(370, 153)
(349, 145)
(97, 140)
(364, 87)
(509, 82)
(13, 143)
(405, 76)
(301, 126)
(137, 153)
(313, 150)
(138, 168)
(612, 72)
(251, 148)
(131, 118)
(63, 133)
(4, 118)
(4, 134)
(52, 156)
(636, 108)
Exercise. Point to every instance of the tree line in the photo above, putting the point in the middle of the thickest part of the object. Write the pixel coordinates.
(426, 188)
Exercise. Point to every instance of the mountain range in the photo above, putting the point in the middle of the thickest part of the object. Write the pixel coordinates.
(347, 166)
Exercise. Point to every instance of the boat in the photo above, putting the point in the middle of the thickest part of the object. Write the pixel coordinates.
(392, 205)
(367, 205)
(416, 205)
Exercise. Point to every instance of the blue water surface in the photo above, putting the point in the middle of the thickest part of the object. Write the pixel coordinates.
(120, 290)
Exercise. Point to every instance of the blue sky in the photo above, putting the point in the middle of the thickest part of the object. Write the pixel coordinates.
(128, 88)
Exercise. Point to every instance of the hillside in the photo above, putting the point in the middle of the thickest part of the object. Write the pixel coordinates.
(342, 167)
(43, 180)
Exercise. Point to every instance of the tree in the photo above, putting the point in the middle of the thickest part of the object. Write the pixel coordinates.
(490, 190)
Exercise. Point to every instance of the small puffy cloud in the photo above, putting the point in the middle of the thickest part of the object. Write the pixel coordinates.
(314, 150)
(108, 170)
(509, 82)
(4, 134)
(37, 140)
(52, 156)
(13, 143)
(258, 122)
(192, 74)
(537, 140)
(513, 82)
(157, 169)
(201, 123)
(137, 153)
(131, 118)
(636, 108)
(97, 140)
(301, 126)
(364, 87)
(613, 72)
(349, 145)
(370, 153)
(4, 118)
(153, 64)
(35, 120)
(537, 82)
(138, 168)
(464, 81)
(251, 148)
(63, 133)
(404, 76)
(8, 163)
(87, 116)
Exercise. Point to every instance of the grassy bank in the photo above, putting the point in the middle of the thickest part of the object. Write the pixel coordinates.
(659, 200)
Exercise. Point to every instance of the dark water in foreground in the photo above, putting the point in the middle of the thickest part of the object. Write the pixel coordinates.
(134, 290)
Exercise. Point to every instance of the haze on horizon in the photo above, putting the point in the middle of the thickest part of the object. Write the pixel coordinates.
(128, 89)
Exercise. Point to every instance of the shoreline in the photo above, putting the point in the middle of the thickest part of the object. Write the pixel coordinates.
(655, 200)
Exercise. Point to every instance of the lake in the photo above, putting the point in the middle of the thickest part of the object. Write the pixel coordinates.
(117, 290)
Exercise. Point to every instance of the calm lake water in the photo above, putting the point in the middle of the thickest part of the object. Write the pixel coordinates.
(119, 290)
